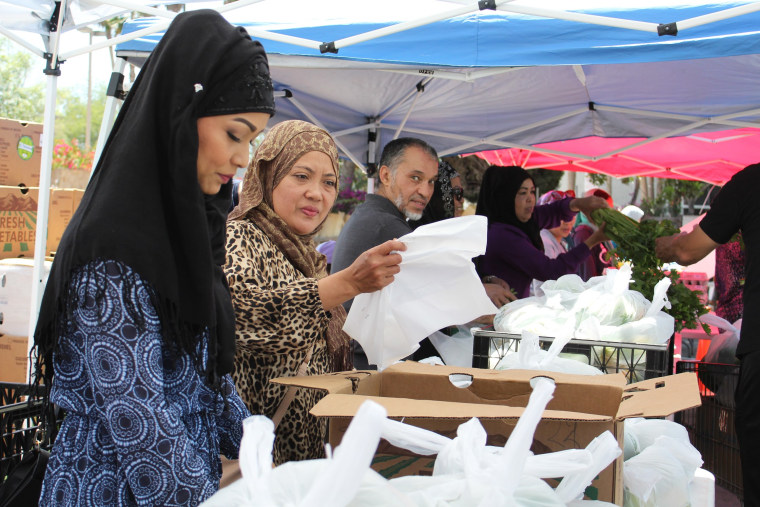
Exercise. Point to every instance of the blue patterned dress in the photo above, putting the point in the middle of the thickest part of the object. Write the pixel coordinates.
(141, 427)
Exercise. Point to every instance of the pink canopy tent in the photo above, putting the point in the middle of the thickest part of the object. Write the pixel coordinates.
(712, 157)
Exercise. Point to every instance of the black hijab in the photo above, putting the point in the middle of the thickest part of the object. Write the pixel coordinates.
(441, 204)
(144, 206)
(496, 200)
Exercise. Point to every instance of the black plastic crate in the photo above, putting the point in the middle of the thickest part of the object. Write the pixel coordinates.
(19, 422)
(711, 426)
(638, 361)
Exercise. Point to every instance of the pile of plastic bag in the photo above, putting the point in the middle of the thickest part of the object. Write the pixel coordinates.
(604, 309)
(660, 463)
(467, 471)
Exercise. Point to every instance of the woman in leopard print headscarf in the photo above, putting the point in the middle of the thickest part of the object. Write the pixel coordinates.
(288, 311)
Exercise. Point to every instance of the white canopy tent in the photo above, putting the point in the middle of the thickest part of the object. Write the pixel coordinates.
(465, 75)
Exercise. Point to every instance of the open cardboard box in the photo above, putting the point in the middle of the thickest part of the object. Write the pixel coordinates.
(582, 408)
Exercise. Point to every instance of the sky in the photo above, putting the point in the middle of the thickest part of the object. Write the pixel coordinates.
(74, 70)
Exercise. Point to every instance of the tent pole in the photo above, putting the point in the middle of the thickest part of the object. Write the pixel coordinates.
(52, 71)
(21, 42)
(406, 25)
(371, 156)
(43, 201)
(420, 89)
(494, 139)
(114, 96)
(590, 19)
(719, 16)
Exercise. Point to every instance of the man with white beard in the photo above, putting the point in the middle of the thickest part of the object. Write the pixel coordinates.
(407, 174)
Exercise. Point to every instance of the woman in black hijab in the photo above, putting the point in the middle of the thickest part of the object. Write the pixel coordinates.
(136, 328)
(515, 251)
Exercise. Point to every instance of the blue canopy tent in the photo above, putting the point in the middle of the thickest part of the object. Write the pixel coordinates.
(465, 75)
(492, 79)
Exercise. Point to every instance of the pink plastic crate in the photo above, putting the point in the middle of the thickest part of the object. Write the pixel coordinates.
(696, 282)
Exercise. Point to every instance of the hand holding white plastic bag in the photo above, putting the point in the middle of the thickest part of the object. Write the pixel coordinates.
(436, 287)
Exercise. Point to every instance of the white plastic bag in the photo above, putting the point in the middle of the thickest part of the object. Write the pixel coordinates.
(455, 350)
(529, 356)
(309, 483)
(640, 433)
(539, 314)
(436, 287)
(612, 302)
(660, 474)
(602, 309)
(655, 326)
(604, 450)
(723, 345)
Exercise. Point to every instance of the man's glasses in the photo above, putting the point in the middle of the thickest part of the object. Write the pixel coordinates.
(457, 192)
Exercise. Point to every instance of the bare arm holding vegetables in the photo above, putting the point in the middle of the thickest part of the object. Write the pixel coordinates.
(685, 248)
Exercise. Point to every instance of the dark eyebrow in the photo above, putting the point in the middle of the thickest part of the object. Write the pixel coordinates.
(246, 122)
(303, 167)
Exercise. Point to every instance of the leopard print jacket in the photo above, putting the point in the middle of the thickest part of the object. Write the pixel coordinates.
(278, 317)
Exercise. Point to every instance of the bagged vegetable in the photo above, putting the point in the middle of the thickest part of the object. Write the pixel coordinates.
(655, 327)
(612, 303)
(529, 356)
(602, 309)
(539, 314)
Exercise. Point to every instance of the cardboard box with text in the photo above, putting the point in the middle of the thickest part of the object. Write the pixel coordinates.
(20, 153)
(18, 219)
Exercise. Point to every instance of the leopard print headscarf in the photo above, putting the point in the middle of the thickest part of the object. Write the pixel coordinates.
(284, 144)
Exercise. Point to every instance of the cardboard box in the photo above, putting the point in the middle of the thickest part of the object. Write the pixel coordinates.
(20, 153)
(18, 219)
(16, 294)
(582, 408)
(14, 353)
(63, 203)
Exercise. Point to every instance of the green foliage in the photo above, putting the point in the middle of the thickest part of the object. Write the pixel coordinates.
(671, 195)
(71, 114)
(598, 179)
(635, 243)
(546, 179)
(26, 103)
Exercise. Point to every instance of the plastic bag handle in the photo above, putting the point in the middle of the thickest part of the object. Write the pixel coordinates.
(713, 320)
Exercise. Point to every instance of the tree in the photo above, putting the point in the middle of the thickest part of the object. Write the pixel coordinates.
(670, 196)
(17, 101)
(71, 114)
(545, 179)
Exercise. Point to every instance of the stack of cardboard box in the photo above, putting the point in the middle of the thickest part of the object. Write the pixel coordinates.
(20, 156)
(20, 160)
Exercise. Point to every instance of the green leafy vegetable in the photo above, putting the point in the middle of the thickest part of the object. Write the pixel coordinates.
(635, 243)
